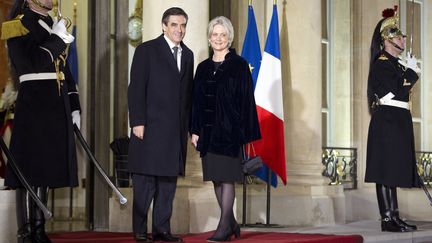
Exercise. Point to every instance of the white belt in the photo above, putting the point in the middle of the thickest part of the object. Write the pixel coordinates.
(388, 100)
(397, 103)
(37, 76)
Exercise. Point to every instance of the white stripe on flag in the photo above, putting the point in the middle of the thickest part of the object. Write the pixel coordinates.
(268, 90)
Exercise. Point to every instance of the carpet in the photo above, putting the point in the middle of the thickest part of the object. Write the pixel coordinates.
(246, 236)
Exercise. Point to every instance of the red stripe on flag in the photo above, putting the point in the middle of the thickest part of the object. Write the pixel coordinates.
(271, 146)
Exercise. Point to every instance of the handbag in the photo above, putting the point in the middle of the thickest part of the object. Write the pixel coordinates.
(251, 164)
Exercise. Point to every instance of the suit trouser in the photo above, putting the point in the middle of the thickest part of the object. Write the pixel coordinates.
(160, 189)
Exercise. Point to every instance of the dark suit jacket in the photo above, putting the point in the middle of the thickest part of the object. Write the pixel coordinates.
(159, 98)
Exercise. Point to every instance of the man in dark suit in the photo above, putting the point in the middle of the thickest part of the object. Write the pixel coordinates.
(159, 97)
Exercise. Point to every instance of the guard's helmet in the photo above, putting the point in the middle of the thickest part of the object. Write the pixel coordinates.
(390, 25)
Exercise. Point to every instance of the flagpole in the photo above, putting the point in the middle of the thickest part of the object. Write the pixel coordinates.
(268, 196)
(75, 12)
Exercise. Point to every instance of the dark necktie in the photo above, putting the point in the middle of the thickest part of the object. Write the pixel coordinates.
(175, 48)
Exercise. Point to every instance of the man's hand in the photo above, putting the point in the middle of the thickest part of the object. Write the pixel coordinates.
(76, 118)
(138, 131)
(194, 140)
(410, 62)
(59, 29)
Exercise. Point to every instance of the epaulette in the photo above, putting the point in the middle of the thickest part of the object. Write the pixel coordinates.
(13, 28)
(383, 58)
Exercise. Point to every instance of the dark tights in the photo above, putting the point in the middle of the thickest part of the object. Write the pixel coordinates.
(225, 195)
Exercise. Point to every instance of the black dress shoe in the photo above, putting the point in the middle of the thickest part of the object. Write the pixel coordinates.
(142, 238)
(166, 237)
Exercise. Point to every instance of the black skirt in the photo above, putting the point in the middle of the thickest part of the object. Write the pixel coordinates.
(222, 168)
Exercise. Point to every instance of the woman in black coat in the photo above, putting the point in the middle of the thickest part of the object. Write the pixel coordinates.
(42, 140)
(390, 161)
(223, 119)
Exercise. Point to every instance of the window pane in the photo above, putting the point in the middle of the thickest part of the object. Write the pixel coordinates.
(324, 19)
(324, 76)
(324, 129)
(417, 136)
(416, 99)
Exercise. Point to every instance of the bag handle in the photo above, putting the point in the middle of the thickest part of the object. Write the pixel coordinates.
(247, 151)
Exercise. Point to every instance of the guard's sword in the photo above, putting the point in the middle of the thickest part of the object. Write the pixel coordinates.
(86, 147)
(12, 163)
(412, 26)
(426, 191)
(57, 12)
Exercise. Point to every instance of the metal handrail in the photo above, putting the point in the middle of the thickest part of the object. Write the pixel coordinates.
(340, 166)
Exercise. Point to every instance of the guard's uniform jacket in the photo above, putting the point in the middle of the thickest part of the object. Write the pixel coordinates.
(390, 149)
(42, 139)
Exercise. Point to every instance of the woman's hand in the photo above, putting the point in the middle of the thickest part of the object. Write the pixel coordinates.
(194, 140)
(138, 131)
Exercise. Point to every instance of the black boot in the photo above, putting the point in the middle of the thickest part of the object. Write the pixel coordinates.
(394, 207)
(38, 219)
(388, 222)
(24, 234)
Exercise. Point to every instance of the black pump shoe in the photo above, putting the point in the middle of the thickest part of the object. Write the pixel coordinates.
(226, 237)
(220, 239)
(236, 231)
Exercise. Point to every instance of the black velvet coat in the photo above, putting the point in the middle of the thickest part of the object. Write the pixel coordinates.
(42, 141)
(390, 156)
(224, 112)
(160, 98)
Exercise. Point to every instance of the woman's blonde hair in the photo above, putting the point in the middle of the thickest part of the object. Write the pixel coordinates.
(226, 23)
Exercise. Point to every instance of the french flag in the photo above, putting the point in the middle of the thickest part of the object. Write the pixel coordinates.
(269, 101)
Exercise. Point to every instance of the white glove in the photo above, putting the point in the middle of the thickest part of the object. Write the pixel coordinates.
(59, 29)
(410, 62)
(76, 118)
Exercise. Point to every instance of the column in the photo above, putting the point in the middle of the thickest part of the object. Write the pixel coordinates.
(302, 92)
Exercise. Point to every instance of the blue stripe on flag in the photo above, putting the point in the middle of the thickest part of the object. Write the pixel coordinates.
(251, 47)
(272, 44)
(73, 57)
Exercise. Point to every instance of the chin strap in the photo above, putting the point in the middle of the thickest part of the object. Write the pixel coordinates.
(396, 45)
(41, 5)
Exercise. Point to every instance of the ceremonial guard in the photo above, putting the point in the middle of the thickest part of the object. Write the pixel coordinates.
(390, 161)
(47, 105)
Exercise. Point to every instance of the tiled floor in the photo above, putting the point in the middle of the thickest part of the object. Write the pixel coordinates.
(65, 225)
(369, 229)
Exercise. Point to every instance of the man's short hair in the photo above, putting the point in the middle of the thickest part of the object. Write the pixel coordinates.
(173, 11)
